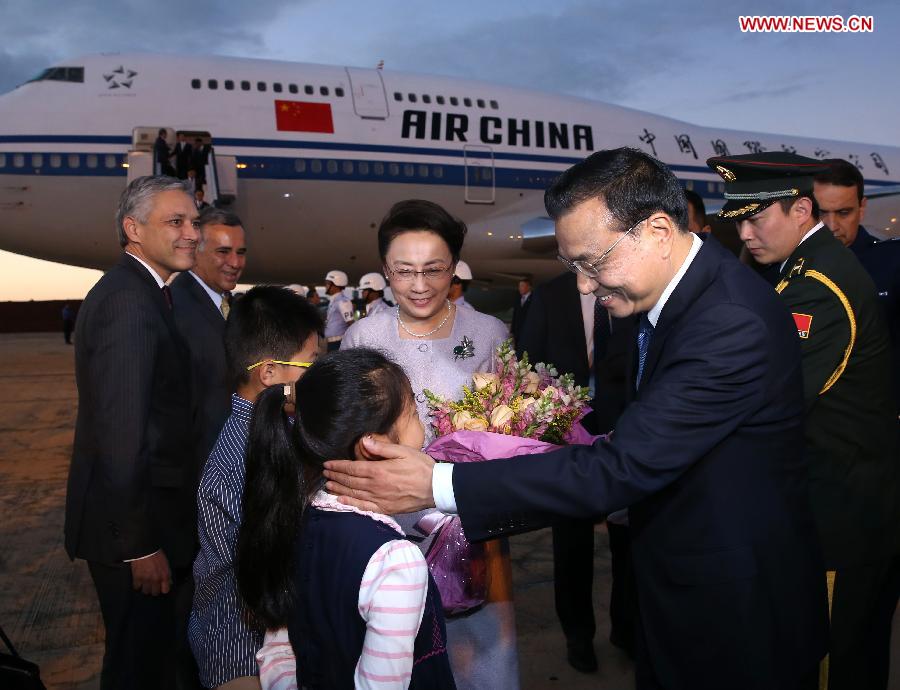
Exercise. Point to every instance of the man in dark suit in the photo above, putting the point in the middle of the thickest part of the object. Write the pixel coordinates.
(199, 159)
(161, 154)
(131, 498)
(183, 155)
(521, 307)
(203, 296)
(575, 334)
(851, 422)
(707, 457)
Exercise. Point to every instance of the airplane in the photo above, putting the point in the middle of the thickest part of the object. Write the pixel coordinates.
(312, 156)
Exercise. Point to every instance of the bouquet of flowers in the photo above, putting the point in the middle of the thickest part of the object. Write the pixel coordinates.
(521, 409)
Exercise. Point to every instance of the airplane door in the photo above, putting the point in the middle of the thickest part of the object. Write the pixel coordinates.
(479, 174)
(367, 89)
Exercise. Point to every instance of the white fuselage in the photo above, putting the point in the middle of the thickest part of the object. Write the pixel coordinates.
(311, 200)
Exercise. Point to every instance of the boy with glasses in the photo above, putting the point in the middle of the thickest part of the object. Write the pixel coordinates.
(271, 336)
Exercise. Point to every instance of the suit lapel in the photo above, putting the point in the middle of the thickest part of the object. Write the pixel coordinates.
(699, 275)
(203, 302)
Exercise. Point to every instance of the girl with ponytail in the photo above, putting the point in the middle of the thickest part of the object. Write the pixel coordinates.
(356, 598)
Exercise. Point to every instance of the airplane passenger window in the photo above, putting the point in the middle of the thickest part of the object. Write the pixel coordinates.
(331, 167)
(195, 83)
(412, 98)
(426, 98)
(276, 87)
(494, 105)
(109, 161)
(213, 84)
(347, 167)
(37, 160)
(467, 102)
(409, 170)
(423, 171)
(710, 186)
(722, 187)
(229, 85)
(74, 160)
(438, 171)
(2, 160)
(339, 92)
(308, 90)
(323, 90)
(454, 100)
(260, 86)
(19, 160)
(440, 100)
(487, 174)
(378, 168)
(245, 86)
(689, 184)
(316, 166)
(398, 96)
(363, 168)
(480, 102)
(91, 160)
(393, 169)
(292, 88)
(300, 165)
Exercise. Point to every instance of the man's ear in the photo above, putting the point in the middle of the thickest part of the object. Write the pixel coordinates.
(265, 374)
(132, 231)
(802, 209)
(664, 231)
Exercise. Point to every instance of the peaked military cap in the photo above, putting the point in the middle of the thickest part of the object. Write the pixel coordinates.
(755, 181)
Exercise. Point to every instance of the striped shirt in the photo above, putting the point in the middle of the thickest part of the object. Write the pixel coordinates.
(391, 601)
(223, 645)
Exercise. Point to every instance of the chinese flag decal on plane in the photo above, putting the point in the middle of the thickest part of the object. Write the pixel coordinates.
(299, 116)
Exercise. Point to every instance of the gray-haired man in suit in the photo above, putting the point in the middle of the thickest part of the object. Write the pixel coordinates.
(130, 505)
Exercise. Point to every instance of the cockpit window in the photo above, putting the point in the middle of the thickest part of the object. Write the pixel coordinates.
(72, 74)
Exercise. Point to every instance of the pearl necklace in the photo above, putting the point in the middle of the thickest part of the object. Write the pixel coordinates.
(431, 332)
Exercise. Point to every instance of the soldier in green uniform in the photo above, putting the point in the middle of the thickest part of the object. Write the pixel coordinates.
(851, 430)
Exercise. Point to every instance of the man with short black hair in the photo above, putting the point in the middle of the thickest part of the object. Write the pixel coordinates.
(851, 425)
(161, 154)
(131, 498)
(204, 296)
(697, 214)
(707, 456)
(521, 307)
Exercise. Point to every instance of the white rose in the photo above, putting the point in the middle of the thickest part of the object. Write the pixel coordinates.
(482, 381)
(531, 383)
(460, 419)
(501, 416)
(476, 424)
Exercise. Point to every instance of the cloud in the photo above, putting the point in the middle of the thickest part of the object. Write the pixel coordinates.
(39, 33)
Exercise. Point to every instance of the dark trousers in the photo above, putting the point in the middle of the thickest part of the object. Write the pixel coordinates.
(623, 596)
(859, 650)
(146, 636)
(573, 578)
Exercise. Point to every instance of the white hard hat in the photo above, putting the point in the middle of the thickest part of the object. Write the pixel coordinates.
(301, 290)
(339, 278)
(372, 281)
(463, 272)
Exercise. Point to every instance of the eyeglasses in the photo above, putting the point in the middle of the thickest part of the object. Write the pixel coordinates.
(305, 365)
(405, 275)
(590, 269)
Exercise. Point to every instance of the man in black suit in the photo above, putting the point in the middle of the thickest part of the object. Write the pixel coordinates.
(708, 457)
(575, 334)
(203, 296)
(131, 498)
(520, 310)
(199, 159)
(161, 154)
(183, 154)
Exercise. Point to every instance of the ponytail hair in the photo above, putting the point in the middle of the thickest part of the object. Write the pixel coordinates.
(341, 398)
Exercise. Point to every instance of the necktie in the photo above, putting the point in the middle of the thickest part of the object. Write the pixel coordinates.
(225, 306)
(645, 333)
(167, 293)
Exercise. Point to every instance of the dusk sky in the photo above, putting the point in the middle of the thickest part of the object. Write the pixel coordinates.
(685, 60)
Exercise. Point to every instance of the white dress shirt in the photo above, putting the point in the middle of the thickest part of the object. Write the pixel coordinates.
(805, 237)
(159, 281)
(442, 478)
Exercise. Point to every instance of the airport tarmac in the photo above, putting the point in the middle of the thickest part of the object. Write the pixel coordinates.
(47, 603)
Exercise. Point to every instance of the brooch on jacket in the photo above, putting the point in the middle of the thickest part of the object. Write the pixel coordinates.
(465, 349)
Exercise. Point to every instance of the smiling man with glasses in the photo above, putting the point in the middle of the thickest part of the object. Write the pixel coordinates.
(707, 456)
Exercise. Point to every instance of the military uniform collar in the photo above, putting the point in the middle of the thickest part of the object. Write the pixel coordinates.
(811, 239)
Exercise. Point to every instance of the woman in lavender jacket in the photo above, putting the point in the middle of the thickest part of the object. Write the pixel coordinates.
(439, 347)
